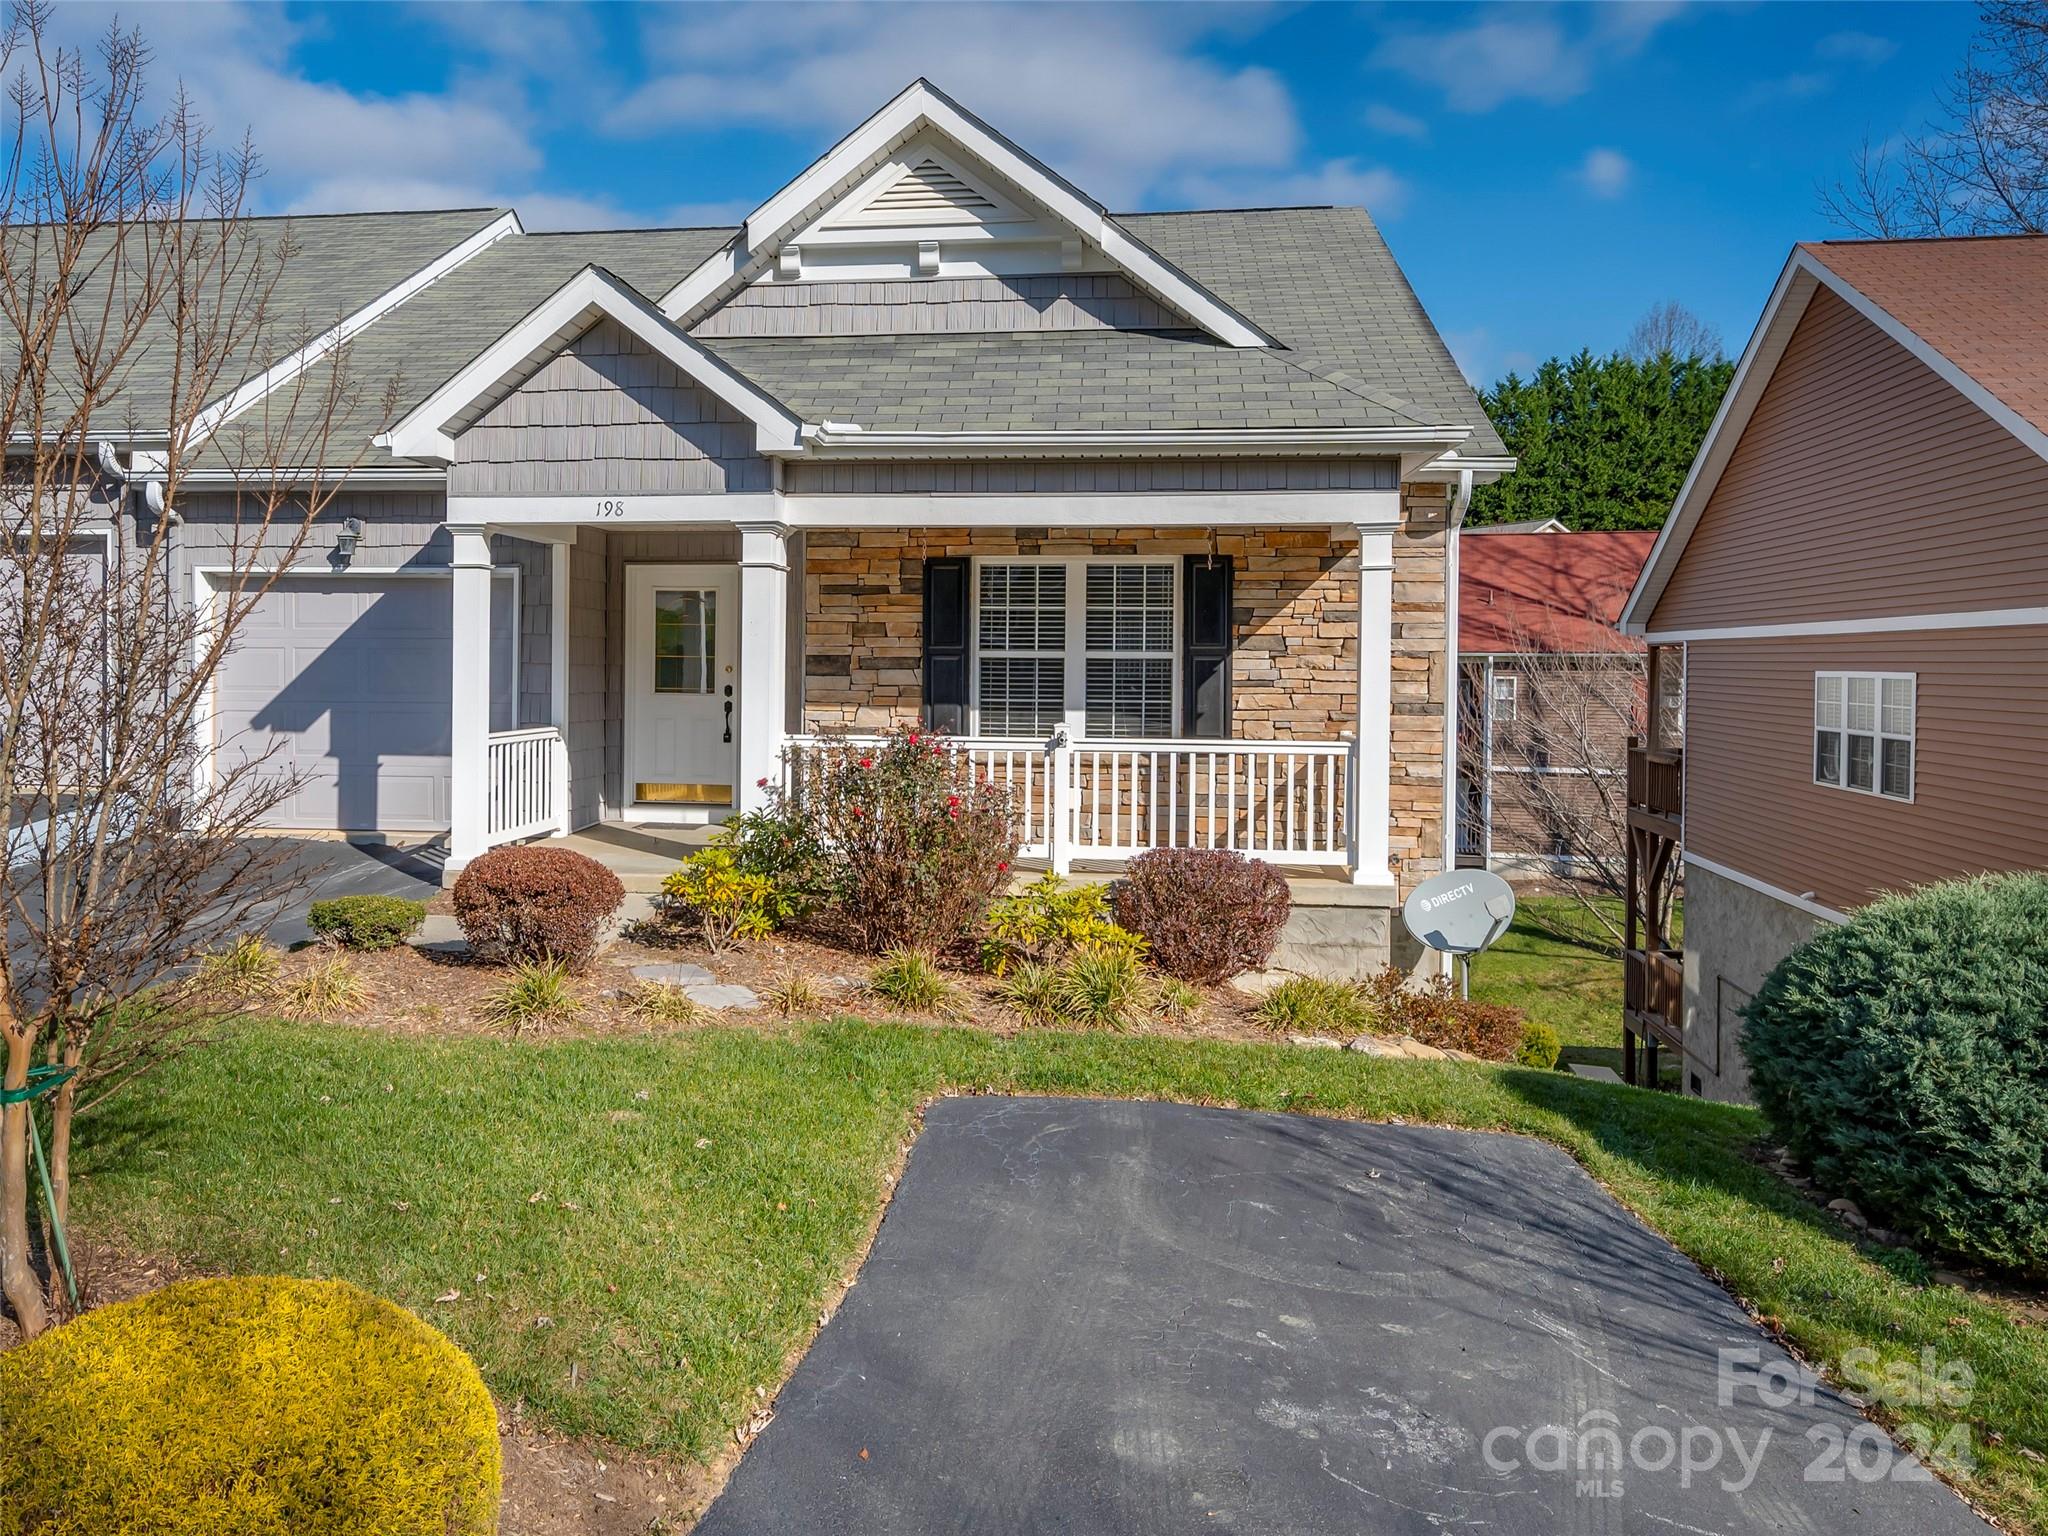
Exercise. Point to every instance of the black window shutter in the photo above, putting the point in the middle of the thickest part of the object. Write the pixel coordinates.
(1206, 635)
(945, 644)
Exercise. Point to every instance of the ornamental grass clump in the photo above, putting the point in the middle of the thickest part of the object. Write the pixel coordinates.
(526, 902)
(259, 1405)
(913, 842)
(911, 980)
(1311, 1005)
(1902, 1056)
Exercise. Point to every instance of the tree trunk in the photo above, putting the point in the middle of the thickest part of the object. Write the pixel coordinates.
(17, 1275)
(62, 1108)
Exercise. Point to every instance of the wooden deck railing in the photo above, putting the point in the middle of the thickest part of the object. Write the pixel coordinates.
(1653, 970)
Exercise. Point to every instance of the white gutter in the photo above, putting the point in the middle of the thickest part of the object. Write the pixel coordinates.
(842, 439)
(1460, 501)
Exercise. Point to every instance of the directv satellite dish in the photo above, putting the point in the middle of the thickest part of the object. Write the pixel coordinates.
(1460, 913)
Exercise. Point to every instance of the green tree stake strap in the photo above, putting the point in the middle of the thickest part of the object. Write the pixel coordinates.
(43, 1080)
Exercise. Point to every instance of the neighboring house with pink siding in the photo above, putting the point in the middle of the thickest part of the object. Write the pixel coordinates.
(1857, 571)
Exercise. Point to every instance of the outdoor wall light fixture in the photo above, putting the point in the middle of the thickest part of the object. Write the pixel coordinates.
(345, 541)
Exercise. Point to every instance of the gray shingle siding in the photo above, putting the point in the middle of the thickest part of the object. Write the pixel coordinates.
(607, 416)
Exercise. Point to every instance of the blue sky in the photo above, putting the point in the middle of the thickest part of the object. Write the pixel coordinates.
(1545, 173)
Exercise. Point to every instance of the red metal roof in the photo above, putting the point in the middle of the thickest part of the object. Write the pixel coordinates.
(1981, 302)
(1557, 592)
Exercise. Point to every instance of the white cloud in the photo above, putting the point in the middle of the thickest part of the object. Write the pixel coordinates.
(1119, 100)
(1392, 120)
(325, 148)
(1800, 85)
(1605, 172)
(1522, 53)
(1865, 48)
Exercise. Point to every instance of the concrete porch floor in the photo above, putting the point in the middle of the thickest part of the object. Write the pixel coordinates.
(1336, 929)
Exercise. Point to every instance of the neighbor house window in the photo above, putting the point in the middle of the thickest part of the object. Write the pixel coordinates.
(1090, 644)
(1505, 692)
(1863, 732)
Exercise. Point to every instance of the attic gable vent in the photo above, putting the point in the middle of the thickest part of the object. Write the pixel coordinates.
(928, 189)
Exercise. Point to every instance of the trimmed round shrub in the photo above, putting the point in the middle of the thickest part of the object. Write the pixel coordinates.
(255, 1405)
(1902, 1056)
(529, 903)
(366, 922)
(1207, 913)
(1540, 1046)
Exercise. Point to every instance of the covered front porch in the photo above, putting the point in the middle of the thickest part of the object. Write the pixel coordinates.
(1133, 700)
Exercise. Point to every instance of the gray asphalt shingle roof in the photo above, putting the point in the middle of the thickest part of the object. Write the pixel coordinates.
(1047, 381)
(1357, 348)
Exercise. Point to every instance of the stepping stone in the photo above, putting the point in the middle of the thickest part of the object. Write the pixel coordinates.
(721, 995)
(440, 934)
(673, 973)
(1595, 1074)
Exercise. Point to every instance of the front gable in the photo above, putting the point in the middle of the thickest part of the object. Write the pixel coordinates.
(607, 415)
(925, 190)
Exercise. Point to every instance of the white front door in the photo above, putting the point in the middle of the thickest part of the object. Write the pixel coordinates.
(682, 673)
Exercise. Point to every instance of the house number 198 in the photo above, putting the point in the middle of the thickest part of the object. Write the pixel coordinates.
(611, 509)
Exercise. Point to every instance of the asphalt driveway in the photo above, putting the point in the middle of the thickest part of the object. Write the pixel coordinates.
(1097, 1317)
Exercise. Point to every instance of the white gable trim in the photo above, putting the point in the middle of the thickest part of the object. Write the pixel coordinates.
(1803, 275)
(919, 107)
(425, 432)
(276, 377)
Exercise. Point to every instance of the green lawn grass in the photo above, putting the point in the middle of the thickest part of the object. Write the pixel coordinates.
(1556, 964)
(680, 1209)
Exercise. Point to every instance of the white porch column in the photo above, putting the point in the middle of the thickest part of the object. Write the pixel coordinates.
(1374, 758)
(469, 671)
(559, 557)
(764, 659)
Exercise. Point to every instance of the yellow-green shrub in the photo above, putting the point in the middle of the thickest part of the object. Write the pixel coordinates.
(256, 1405)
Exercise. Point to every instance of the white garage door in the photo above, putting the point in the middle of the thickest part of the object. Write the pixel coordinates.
(344, 680)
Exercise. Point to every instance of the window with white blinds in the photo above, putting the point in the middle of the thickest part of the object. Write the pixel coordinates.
(1059, 638)
(1021, 648)
(1129, 629)
(1863, 730)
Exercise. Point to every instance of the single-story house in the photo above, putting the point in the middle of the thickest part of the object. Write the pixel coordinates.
(1153, 511)
(1856, 572)
(1549, 693)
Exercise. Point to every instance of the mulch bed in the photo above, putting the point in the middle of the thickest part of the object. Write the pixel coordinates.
(412, 991)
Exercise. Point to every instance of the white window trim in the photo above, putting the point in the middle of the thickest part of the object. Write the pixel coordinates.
(1879, 736)
(1513, 697)
(1077, 653)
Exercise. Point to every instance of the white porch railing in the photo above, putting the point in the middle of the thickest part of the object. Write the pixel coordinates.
(529, 784)
(1284, 800)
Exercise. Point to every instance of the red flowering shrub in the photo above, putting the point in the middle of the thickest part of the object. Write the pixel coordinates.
(1208, 913)
(913, 842)
(531, 902)
(1434, 1014)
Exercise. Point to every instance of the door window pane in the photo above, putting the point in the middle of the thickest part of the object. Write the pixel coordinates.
(685, 641)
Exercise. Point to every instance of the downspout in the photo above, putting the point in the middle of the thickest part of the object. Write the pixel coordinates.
(1461, 500)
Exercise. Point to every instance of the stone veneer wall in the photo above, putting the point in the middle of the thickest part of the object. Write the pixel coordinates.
(1295, 669)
